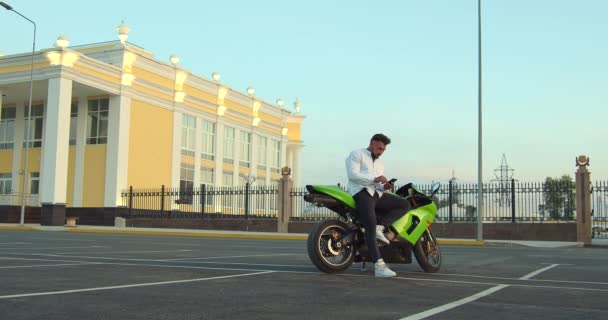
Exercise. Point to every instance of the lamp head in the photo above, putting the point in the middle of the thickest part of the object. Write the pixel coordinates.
(6, 6)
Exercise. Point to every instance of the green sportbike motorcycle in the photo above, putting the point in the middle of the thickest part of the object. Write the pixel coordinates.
(333, 245)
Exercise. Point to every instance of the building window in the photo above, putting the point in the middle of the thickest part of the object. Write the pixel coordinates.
(73, 122)
(262, 152)
(34, 182)
(206, 175)
(6, 183)
(244, 149)
(188, 135)
(186, 183)
(228, 178)
(97, 121)
(228, 144)
(35, 124)
(207, 179)
(7, 127)
(208, 140)
(275, 154)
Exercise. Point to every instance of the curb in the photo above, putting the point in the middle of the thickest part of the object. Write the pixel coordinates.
(461, 242)
(23, 228)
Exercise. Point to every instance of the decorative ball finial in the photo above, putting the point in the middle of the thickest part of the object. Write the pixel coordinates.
(297, 105)
(62, 42)
(123, 32)
(174, 59)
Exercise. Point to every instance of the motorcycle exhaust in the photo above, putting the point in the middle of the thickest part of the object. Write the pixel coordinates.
(321, 200)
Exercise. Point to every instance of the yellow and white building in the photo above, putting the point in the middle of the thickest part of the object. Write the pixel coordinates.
(107, 116)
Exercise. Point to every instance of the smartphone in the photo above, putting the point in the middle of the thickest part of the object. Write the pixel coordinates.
(392, 181)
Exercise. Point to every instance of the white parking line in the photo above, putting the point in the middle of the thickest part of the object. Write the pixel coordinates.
(231, 257)
(141, 251)
(50, 265)
(128, 286)
(451, 305)
(38, 259)
(157, 260)
(53, 248)
(56, 239)
(532, 274)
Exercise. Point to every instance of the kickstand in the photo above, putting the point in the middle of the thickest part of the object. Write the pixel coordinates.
(363, 268)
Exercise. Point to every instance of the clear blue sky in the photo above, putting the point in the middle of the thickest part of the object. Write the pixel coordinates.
(405, 68)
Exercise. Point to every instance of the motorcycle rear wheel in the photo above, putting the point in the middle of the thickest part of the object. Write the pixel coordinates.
(427, 252)
(323, 250)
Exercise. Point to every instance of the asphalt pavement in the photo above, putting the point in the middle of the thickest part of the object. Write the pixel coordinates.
(83, 273)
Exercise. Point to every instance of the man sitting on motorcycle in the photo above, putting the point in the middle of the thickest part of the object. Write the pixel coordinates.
(367, 183)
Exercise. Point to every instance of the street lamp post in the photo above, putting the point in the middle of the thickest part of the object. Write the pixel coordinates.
(29, 113)
(479, 140)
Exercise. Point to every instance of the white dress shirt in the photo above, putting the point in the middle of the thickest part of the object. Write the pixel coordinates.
(362, 170)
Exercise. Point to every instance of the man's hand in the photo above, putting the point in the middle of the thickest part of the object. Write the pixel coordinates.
(388, 186)
(380, 179)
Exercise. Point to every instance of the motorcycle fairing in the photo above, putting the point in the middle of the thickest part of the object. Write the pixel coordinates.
(413, 224)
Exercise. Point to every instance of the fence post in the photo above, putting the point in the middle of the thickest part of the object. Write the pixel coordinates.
(130, 199)
(512, 200)
(162, 199)
(583, 202)
(285, 205)
(450, 201)
(247, 200)
(203, 200)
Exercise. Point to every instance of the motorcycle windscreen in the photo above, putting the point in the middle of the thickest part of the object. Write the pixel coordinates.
(413, 224)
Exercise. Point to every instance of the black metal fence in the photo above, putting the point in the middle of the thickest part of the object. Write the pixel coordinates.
(599, 200)
(509, 202)
(513, 201)
(305, 211)
(207, 201)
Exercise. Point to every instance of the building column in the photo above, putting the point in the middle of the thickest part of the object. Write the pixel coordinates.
(177, 150)
(297, 152)
(269, 157)
(55, 150)
(117, 155)
(219, 151)
(290, 156)
(81, 142)
(283, 162)
(18, 140)
(198, 149)
(254, 153)
(236, 160)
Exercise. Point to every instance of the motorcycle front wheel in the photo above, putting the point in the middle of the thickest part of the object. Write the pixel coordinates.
(427, 252)
(323, 249)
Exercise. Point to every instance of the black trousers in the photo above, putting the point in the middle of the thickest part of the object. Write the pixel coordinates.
(374, 210)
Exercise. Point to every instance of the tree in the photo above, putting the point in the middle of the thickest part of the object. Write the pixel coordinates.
(559, 198)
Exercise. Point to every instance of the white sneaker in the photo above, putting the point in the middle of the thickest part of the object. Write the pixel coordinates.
(382, 270)
(380, 234)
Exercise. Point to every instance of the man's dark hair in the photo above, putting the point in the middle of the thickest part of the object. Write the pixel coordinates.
(382, 138)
